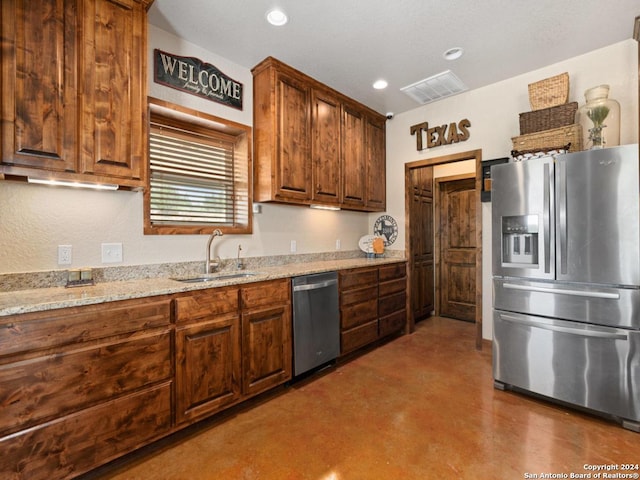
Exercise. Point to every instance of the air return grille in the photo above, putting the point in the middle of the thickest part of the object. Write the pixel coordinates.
(434, 88)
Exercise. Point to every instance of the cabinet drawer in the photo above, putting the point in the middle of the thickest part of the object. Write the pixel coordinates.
(50, 386)
(392, 272)
(392, 286)
(358, 313)
(358, 337)
(392, 303)
(392, 323)
(79, 442)
(358, 296)
(206, 303)
(358, 278)
(273, 292)
(40, 330)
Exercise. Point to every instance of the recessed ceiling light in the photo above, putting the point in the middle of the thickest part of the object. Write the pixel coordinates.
(380, 84)
(453, 53)
(277, 17)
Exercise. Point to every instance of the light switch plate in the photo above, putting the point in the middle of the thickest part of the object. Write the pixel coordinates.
(111, 252)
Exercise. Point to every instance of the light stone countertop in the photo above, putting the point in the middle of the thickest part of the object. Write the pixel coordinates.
(41, 299)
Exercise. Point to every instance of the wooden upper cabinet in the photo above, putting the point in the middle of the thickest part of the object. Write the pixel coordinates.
(310, 142)
(38, 86)
(353, 157)
(112, 70)
(325, 147)
(281, 128)
(74, 90)
(376, 165)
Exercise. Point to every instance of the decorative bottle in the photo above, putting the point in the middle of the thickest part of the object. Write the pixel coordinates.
(599, 118)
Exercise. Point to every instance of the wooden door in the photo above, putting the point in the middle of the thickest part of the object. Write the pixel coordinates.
(354, 166)
(325, 147)
(39, 84)
(421, 241)
(457, 231)
(113, 84)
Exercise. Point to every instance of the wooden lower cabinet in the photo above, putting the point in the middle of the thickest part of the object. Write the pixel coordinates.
(231, 343)
(208, 374)
(84, 385)
(392, 298)
(372, 304)
(266, 335)
(78, 442)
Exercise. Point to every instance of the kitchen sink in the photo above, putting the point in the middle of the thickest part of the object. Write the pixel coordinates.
(214, 277)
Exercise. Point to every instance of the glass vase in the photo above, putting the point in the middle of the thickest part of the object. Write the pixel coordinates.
(599, 118)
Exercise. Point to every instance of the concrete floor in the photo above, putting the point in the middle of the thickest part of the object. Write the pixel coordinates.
(420, 407)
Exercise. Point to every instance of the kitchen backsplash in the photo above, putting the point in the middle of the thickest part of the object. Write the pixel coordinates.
(58, 278)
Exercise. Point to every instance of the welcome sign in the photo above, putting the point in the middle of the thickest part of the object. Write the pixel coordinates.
(194, 76)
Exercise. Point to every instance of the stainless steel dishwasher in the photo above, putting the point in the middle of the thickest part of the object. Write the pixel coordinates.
(316, 321)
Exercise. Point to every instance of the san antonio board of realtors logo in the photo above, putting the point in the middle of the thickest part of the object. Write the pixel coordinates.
(387, 228)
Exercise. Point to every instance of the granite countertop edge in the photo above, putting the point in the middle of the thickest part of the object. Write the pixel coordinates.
(42, 299)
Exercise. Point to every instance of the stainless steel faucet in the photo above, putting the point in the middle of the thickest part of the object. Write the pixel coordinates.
(239, 264)
(207, 265)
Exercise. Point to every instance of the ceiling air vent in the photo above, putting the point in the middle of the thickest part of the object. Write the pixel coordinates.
(434, 88)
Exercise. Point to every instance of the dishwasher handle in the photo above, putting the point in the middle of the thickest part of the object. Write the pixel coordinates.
(315, 286)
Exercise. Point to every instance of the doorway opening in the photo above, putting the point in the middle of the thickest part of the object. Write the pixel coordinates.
(425, 198)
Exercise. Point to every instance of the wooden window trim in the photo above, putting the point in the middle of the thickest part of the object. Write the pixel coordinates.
(192, 120)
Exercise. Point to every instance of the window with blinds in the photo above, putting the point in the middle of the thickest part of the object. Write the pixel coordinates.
(198, 178)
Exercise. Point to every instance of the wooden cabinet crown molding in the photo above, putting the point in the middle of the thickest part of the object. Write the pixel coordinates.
(314, 145)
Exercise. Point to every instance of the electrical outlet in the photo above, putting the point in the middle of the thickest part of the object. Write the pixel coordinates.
(294, 246)
(338, 246)
(64, 254)
(111, 253)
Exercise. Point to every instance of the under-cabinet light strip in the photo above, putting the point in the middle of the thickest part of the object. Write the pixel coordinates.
(324, 207)
(62, 183)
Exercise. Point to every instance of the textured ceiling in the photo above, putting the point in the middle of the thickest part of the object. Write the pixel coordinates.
(348, 44)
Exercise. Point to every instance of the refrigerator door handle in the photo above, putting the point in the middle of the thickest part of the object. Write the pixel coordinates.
(546, 217)
(563, 291)
(558, 328)
(562, 215)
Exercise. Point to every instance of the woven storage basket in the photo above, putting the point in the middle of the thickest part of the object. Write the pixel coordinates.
(549, 92)
(548, 118)
(555, 138)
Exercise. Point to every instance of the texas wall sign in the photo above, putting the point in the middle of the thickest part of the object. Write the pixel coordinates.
(387, 228)
(440, 135)
(192, 75)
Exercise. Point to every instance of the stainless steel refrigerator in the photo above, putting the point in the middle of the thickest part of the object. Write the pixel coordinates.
(566, 279)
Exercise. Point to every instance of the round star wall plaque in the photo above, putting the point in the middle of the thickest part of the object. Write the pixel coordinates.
(387, 228)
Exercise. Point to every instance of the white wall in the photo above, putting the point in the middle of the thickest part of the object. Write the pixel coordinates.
(34, 220)
(493, 113)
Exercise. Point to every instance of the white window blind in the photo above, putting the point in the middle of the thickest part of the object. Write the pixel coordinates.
(191, 178)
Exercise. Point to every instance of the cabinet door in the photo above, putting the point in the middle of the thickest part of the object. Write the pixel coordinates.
(353, 157)
(326, 148)
(376, 165)
(293, 170)
(112, 81)
(207, 367)
(266, 348)
(38, 85)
